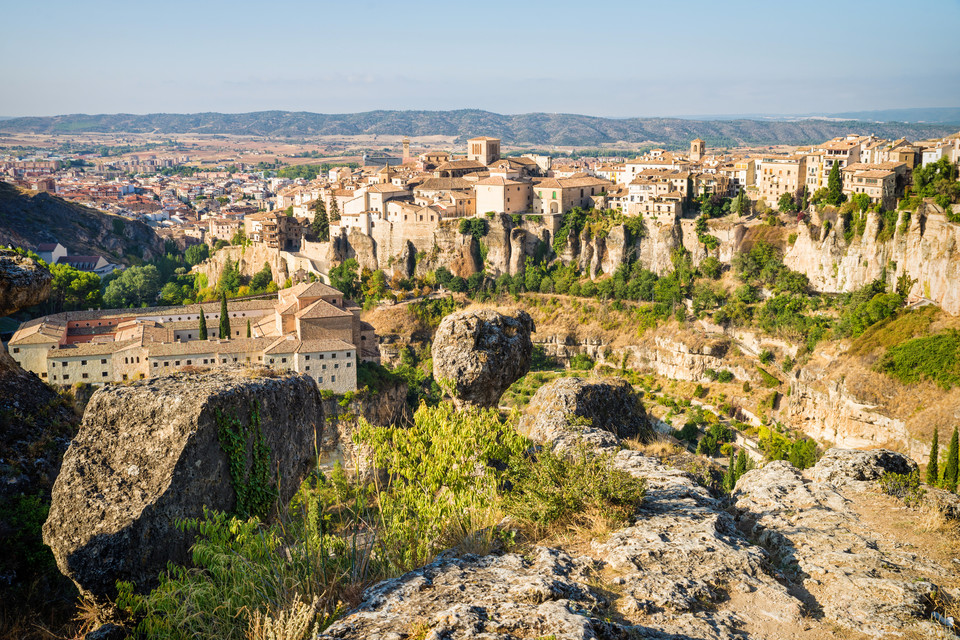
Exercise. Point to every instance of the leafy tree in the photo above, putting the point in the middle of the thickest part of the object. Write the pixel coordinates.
(933, 467)
(72, 289)
(230, 278)
(344, 278)
(786, 203)
(950, 470)
(711, 267)
(224, 318)
(834, 185)
(134, 287)
(202, 335)
(239, 238)
(196, 253)
(261, 279)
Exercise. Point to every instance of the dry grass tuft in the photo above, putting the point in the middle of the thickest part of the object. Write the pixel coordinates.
(293, 623)
(932, 519)
(661, 446)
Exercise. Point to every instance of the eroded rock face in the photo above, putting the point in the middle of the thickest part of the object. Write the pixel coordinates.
(148, 454)
(861, 579)
(571, 410)
(845, 466)
(478, 354)
(23, 282)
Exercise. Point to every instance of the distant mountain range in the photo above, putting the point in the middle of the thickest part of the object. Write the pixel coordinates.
(544, 129)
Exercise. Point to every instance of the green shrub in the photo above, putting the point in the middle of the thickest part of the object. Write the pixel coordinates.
(582, 362)
(932, 357)
(561, 489)
(724, 376)
(769, 381)
(906, 486)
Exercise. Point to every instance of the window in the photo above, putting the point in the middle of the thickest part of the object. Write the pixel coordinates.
(307, 357)
(66, 377)
(176, 363)
(16, 349)
(320, 379)
(53, 364)
(324, 367)
(334, 356)
(124, 376)
(348, 364)
(320, 356)
(223, 361)
(166, 363)
(154, 365)
(83, 363)
(103, 375)
(283, 359)
(332, 378)
(308, 368)
(336, 366)
(84, 375)
(103, 361)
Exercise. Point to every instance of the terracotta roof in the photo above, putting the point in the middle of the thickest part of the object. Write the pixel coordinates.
(322, 309)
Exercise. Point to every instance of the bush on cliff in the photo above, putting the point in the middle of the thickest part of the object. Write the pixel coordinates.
(450, 478)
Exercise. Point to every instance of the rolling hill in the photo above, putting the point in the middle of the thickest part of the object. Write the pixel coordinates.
(529, 128)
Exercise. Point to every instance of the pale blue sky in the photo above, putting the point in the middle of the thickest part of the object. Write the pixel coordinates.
(600, 58)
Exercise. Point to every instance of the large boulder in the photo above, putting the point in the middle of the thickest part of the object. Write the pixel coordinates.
(478, 354)
(149, 455)
(23, 282)
(845, 466)
(598, 413)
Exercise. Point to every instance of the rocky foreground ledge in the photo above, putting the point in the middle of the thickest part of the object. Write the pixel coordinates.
(790, 559)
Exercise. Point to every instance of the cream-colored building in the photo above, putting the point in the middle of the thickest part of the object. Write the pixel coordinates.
(484, 150)
(309, 329)
(777, 175)
(553, 195)
(883, 182)
(502, 195)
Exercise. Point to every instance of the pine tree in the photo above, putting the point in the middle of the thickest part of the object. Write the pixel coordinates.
(950, 471)
(203, 326)
(334, 211)
(834, 185)
(933, 467)
(248, 329)
(224, 318)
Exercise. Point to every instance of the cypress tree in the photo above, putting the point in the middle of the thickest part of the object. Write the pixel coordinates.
(834, 185)
(950, 471)
(203, 326)
(224, 318)
(730, 478)
(248, 329)
(742, 464)
(321, 225)
(933, 467)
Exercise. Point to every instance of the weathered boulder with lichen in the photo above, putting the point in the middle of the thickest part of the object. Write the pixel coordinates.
(599, 413)
(478, 354)
(155, 452)
(844, 466)
(23, 282)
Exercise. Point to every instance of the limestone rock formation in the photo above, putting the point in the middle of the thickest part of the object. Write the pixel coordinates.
(23, 282)
(571, 410)
(844, 466)
(794, 560)
(149, 454)
(859, 578)
(478, 354)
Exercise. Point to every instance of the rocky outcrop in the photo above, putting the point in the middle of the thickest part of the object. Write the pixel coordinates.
(844, 466)
(248, 259)
(859, 578)
(793, 561)
(478, 354)
(925, 247)
(150, 454)
(822, 406)
(572, 410)
(23, 282)
(31, 219)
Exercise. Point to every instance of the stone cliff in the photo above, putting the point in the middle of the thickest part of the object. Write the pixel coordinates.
(925, 247)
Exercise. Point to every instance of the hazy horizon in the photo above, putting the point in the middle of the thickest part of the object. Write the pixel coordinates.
(712, 58)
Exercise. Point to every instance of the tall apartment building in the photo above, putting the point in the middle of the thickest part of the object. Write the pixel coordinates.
(777, 175)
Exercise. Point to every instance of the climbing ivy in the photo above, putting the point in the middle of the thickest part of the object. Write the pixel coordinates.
(255, 491)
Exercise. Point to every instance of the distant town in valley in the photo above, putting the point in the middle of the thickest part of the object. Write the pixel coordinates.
(306, 211)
